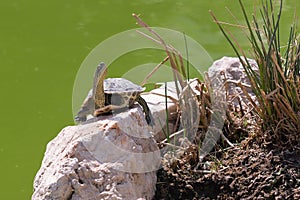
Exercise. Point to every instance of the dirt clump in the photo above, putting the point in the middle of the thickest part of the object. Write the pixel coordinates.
(241, 172)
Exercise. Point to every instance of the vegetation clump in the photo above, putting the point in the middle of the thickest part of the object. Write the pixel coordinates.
(277, 86)
(245, 169)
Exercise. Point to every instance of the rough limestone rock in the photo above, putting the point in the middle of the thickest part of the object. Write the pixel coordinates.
(113, 158)
(108, 157)
(229, 72)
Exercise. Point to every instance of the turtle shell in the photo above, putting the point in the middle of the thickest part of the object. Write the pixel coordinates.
(120, 85)
(119, 91)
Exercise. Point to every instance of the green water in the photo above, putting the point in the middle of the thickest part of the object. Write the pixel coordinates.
(42, 45)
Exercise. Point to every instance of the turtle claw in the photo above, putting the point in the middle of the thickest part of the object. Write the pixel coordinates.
(149, 119)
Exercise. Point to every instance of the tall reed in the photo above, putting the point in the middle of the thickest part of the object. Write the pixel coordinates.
(277, 86)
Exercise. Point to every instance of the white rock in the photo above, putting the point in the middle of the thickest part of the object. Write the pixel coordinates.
(114, 158)
(231, 69)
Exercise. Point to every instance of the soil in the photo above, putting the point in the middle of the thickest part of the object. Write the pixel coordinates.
(247, 171)
(247, 163)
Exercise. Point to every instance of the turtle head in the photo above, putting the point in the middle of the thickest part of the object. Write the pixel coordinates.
(98, 90)
(100, 71)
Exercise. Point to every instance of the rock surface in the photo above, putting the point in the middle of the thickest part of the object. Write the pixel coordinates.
(229, 72)
(108, 157)
(114, 158)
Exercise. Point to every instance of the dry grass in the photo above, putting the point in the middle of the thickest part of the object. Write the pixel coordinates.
(194, 110)
(201, 110)
(277, 86)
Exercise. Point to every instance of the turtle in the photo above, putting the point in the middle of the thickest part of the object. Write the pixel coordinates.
(112, 94)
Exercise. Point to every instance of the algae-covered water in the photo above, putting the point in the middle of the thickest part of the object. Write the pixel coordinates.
(42, 45)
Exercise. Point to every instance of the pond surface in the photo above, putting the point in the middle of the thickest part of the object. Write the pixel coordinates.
(43, 44)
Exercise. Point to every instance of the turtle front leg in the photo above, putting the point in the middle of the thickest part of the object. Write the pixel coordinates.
(148, 115)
